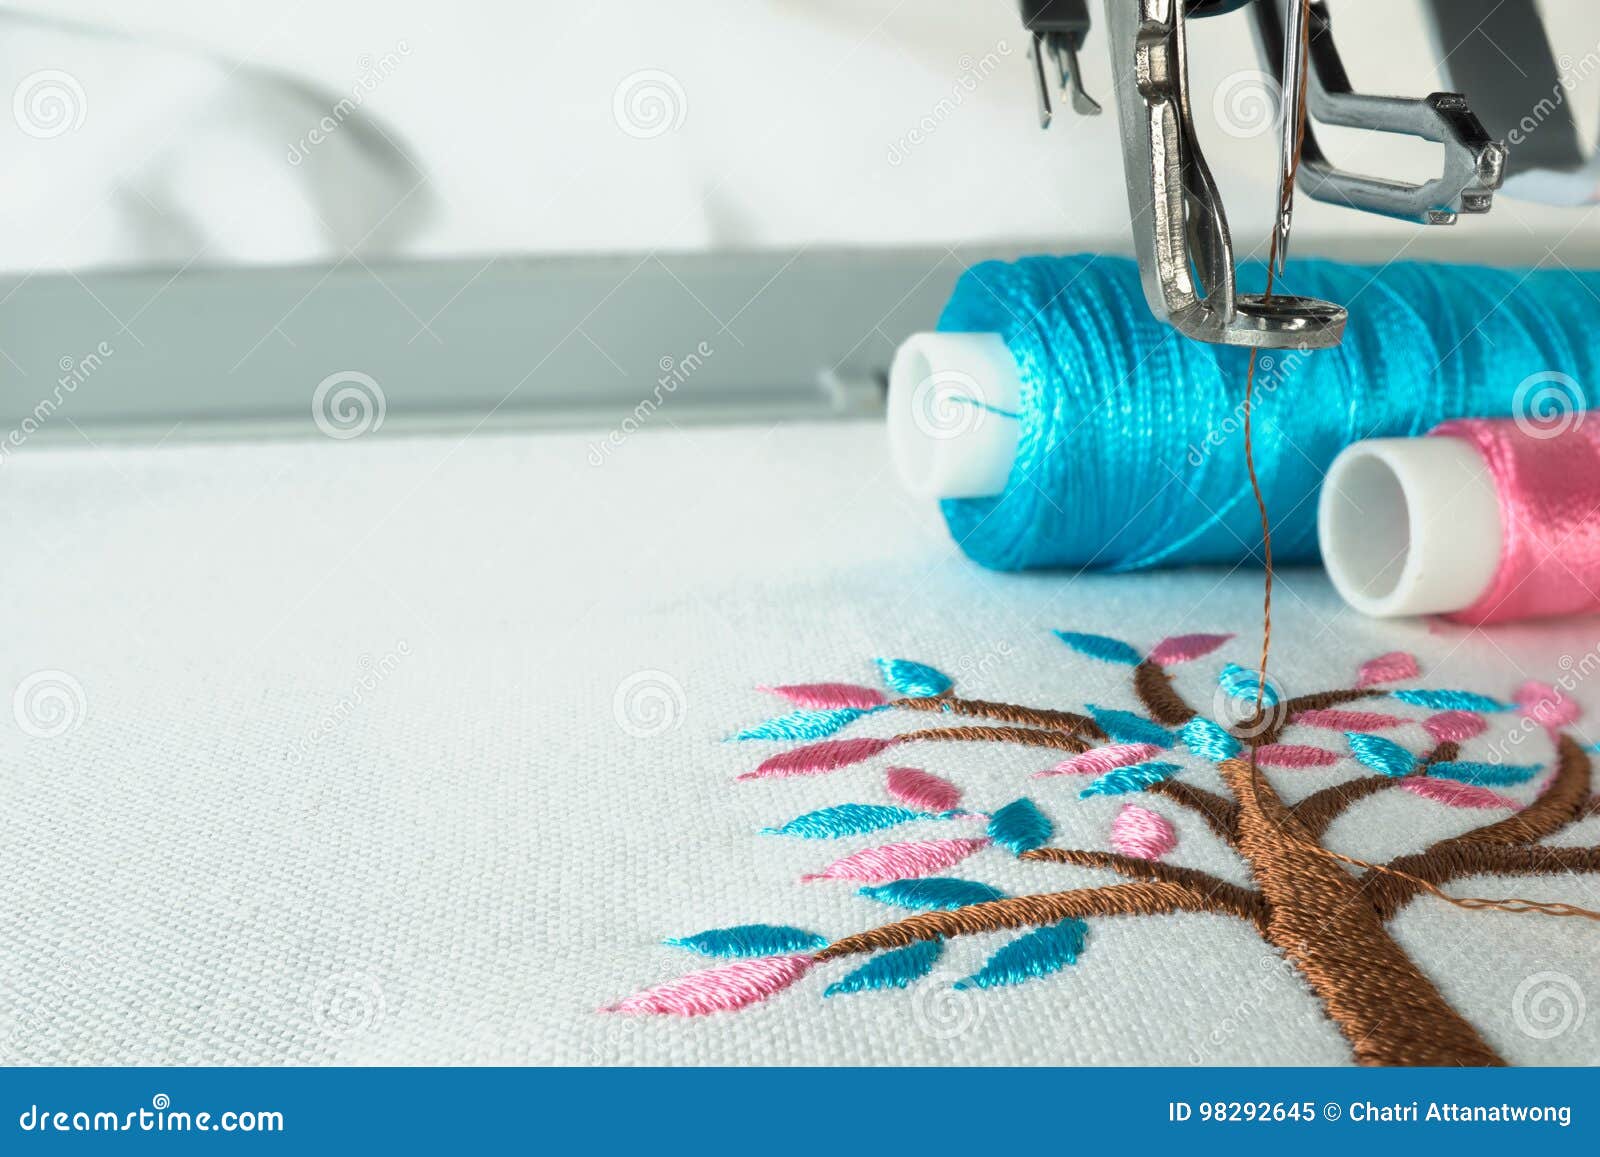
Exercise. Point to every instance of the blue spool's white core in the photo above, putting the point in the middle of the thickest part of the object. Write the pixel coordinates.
(953, 401)
(1410, 526)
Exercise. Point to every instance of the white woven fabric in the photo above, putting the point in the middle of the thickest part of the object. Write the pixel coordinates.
(350, 779)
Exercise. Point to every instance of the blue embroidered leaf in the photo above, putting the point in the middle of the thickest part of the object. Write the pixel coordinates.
(894, 969)
(1126, 727)
(933, 893)
(1039, 953)
(1100, 647)
(915, 680)
(1485, 774)
(1243, 683)
(751, 940)
(846, 819)
(1020, 826)
(1382, 755)
(1451, 701)
(1128, 779)
(1208, 740)
(804, 724)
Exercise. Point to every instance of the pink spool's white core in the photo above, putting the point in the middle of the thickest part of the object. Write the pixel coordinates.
(1410, 526)
(953, 398)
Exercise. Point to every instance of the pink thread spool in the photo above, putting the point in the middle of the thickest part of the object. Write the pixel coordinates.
(1482, 521)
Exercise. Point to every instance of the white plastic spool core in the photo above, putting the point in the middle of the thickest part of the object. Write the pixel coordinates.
(952, 401)
(1410, 526)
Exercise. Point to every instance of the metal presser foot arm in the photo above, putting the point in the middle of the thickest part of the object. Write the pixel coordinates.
(1180, 230)
(1474, 165)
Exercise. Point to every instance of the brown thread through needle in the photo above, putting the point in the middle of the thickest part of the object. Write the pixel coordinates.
(1509, 904)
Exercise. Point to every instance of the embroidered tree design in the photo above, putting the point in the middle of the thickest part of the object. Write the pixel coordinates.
(1329, 922)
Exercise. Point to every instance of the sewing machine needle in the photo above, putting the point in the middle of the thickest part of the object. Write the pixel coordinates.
(1294, 64)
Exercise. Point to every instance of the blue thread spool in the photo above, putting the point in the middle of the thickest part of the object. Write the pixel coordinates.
(1080, 432)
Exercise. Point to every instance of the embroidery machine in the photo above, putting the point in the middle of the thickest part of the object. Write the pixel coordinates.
(1496, 50)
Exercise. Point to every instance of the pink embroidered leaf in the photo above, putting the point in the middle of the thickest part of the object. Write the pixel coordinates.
(1454, 794)
(1390, 668)
(1295, 755)
(1138, 831)
(923, 790)
(721, 989)
(818, 758)
(1546, 705)
(1102, 759)
(1336, 720)
(899, 861)
(1182, 648)
(1454, 726)
(829, 695)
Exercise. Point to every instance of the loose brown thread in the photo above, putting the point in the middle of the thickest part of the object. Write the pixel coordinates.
(1329, 923)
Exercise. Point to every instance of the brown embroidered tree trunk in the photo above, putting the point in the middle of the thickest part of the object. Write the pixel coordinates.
(1317, 916)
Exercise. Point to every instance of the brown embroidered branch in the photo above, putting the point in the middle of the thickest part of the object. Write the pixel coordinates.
(1007, 713)
(1459, 860)
(1221, 814)
(1563, 803)
(1047, 908)
(1319, 809)
(1026, 736)
(1155, 690)
(1236, 898)
(1267, 726)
